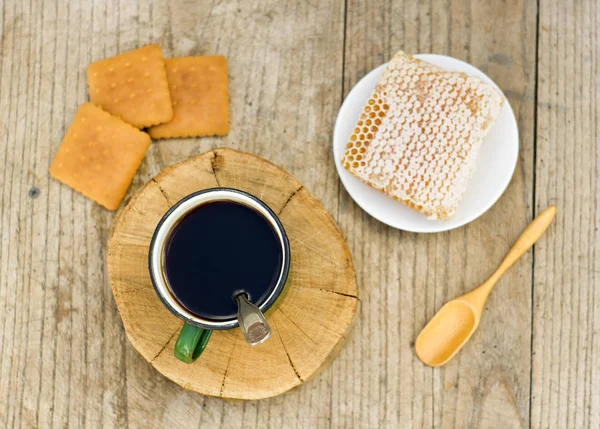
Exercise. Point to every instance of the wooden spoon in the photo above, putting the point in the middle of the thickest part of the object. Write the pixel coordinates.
(455, 322)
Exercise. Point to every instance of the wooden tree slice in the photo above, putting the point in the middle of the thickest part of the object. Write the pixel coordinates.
(310, 319)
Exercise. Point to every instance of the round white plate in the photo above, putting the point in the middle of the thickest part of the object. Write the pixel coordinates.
(496, 161)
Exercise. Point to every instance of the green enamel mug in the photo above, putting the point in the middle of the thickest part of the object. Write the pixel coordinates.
(196, 332)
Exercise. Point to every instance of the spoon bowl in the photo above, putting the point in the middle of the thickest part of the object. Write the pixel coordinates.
(446, 333)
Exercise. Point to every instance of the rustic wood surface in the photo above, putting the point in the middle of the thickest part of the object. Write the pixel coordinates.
(309, 321)
(535, 362)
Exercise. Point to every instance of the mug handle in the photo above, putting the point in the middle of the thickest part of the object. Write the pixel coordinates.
(191, 342)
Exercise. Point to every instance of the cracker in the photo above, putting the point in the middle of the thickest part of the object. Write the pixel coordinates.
(200, 98)
(99, 155)
(132, 86)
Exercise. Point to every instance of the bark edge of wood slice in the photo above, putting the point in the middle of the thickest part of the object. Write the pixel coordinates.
(309, 321)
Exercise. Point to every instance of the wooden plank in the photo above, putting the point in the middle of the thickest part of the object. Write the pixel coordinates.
(566, 318)
(64, 359)
(405, 278)
(65, 362)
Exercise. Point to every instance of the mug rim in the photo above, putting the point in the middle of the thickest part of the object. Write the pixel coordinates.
(155, 254)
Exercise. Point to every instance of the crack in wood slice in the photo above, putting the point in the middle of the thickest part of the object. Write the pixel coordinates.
(289, 199)
(212, 164)
(309, 321)
(166, 344)
(349, 295)
(163, 192)
(226, 370)
(273, 323)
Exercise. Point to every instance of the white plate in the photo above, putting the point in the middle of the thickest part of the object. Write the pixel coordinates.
(496, 161)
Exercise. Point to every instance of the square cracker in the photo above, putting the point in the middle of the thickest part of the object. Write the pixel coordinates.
(132, 86)
(99, 155)
(200, 98)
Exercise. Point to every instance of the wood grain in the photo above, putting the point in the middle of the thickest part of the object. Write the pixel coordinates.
(313, 314)
(566, 314)
(64, 357)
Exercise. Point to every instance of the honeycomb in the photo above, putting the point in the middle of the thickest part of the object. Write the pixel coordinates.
(418, 136)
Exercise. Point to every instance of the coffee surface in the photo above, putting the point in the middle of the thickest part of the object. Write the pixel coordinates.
(217, 251)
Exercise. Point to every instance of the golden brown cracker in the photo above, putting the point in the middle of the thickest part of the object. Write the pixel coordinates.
(200, 98)
(99, 155)
(132, 86)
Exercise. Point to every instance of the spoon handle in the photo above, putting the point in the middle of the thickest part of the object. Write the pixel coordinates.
(531, 234)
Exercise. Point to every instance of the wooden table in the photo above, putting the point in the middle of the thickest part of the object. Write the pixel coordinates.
(64, 358)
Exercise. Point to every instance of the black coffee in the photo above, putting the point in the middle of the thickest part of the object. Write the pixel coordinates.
(217, 251)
